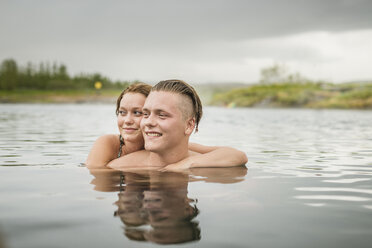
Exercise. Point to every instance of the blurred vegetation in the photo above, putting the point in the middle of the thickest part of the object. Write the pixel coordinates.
(47, 83)
(43, 81)
(59, 96)
(278, 89)
(310, 95)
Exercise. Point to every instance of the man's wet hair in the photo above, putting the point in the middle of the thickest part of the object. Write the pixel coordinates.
(181, 87)
(139, 87)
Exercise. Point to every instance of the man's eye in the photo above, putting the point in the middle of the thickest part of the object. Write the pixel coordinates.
(145, 115)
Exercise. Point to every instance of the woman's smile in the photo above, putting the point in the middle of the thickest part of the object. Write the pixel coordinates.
(130, 130)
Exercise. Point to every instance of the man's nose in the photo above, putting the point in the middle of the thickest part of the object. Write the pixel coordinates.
(150, 120)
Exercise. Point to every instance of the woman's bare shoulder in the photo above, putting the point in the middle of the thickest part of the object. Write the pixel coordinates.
(104, 149)
(108, 140)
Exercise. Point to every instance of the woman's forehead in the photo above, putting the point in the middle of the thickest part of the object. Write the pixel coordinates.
(133, 99)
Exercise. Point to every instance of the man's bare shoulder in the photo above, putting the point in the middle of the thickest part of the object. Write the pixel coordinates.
(193, 153)
(134, 159)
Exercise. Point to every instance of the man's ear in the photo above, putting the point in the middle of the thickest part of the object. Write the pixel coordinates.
(190, 125)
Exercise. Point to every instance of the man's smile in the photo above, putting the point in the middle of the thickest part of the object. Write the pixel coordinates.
(153, 134)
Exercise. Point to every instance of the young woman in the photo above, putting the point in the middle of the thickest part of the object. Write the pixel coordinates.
(129, 114)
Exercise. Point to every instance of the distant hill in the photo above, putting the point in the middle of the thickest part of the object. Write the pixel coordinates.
(206, 91)
(298, 95)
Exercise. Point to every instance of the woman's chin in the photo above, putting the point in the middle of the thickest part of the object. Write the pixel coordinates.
(132, 137)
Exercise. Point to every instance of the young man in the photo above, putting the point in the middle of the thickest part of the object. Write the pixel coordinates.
(170, 114)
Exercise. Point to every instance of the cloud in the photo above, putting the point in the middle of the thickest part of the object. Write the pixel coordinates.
(340, 56)
(201, 41)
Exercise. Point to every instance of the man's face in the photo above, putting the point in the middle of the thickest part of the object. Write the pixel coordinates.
(163, 125)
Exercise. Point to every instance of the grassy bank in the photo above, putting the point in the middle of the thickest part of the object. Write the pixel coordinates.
(308, 95)
(60, 96)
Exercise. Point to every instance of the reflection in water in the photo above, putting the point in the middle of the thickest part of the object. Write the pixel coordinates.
(307, 165)
(2, 239)
(154, 206)
(160, 201)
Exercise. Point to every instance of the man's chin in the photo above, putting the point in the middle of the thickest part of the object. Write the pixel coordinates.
(151, 148)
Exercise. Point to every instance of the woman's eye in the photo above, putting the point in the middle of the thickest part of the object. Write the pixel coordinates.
(121, 112)
(137, 112)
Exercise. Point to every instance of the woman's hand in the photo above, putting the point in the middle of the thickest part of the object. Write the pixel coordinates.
(180, 166)
(215, 157)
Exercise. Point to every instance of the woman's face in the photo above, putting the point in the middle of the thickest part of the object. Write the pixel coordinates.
(130, 115)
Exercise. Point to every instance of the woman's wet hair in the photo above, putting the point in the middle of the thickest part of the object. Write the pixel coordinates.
(140, 88)
(181, 87)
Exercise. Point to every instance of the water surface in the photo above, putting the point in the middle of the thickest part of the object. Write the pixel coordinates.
(308, 182)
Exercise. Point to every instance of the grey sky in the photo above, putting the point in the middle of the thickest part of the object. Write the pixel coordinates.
(198, 41)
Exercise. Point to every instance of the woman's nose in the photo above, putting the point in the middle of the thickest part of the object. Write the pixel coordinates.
(128, 119)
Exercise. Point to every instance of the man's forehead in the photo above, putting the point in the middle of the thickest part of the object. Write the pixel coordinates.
(162, 99)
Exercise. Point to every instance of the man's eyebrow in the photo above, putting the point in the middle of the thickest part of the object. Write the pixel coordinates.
(157, 111)
(154, 110)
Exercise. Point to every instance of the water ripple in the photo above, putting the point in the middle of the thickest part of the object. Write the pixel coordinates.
(321, 189)
(347, 180)
(333, 197)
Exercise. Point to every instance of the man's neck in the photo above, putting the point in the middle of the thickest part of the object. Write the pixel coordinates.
(170, 156)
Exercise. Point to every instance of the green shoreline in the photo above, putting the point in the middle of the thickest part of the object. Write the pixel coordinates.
(60, 96)
(299, 95)
(280, 95)
(51, 83)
